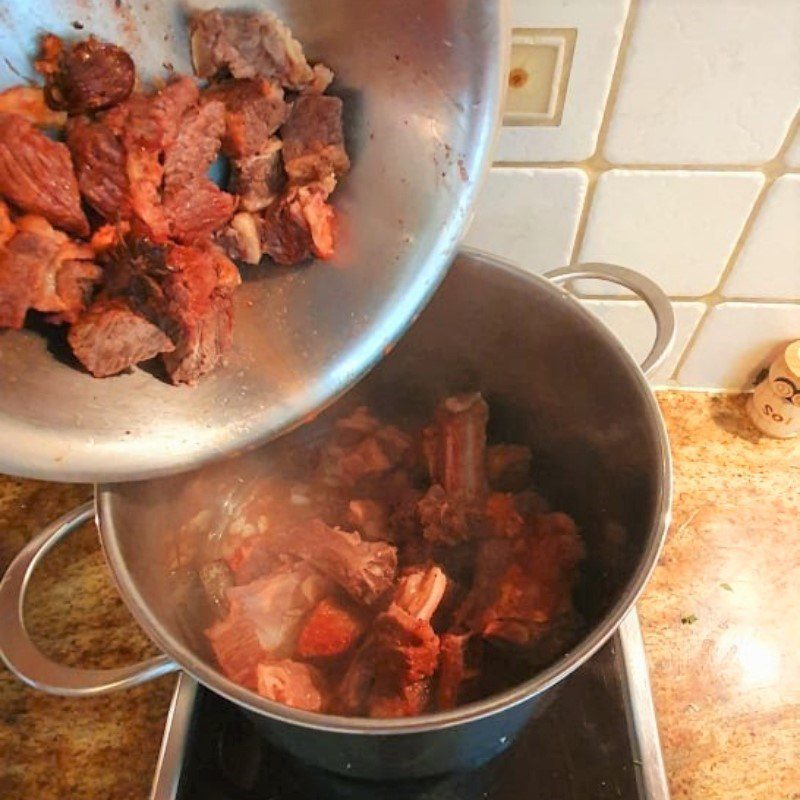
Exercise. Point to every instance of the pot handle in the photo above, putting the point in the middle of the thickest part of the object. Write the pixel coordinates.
(658, 302)
(22, 656)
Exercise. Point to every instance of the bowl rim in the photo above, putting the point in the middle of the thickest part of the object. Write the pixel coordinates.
(469, 712)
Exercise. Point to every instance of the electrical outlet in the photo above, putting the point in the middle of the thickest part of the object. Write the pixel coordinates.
(541, 59)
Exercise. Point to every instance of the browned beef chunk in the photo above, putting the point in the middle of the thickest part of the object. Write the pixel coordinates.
(36, 175)
(28, 102)
(111, 337)
(508, 467)
(184, 290)
(195, 206)
(254, 110)
(43, 269)
(199, 310)
(100, 164)
(258, 180)
(22, 264)
(87, 76)
(148, 127)
(300, 223)
(313, 142)
(406, 646)
(247, 45)
(76, 281)
(242, 238)
(364, 569)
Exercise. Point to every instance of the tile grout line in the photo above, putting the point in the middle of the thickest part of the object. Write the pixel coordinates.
(715, 297)
(595, 166)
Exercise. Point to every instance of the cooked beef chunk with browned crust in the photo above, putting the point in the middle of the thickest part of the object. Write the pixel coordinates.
(28, 102)
(36, 175)
(258, 180)
(100, 164)
(87, 76)
(199, 310)
(299, 224)
(313, 142)
(194, 205)
(111, 337)
(149, 126)
(254, 110)
(43, 269)
(22, 263)
(186, 291)
(247, 45)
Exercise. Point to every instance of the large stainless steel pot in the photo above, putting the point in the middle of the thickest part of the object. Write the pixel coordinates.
(554, 377)
(423, 86)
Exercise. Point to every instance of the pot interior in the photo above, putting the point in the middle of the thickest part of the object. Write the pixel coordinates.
(554, 379)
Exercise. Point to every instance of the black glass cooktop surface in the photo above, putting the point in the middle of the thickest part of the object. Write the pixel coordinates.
(597, 739)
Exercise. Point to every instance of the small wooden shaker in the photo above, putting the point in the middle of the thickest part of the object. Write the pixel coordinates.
(774, 406)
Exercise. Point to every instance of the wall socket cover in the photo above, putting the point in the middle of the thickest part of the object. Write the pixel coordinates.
(541, 59)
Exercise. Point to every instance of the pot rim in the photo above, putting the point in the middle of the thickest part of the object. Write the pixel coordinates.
(539, 683)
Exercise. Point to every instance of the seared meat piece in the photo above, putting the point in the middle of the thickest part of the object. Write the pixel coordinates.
(111, 337)
(331, 629)
(264, 620)
(313, 142)
(248, 45)
(292, 683)
(7, 227)
(450, 518)
(36, 175)
(362, 450)
(491, 562)
(502, 516)
(237, 649)
(455, 446)
(508, 467)
(365, 570)
(355, 686)
(241, 239)
(43, 269)
(371, 520)
(252, 559)
(536, 589)
(323, 77)
(22, 264)
(187, 292)
(257, 180)
(100, 164)
(406, 646)
(148, 126)
(199, 310)
(254, 110)
(298, 224)
(195, 206)
(28, 102)
(454, 669)
(87, 76)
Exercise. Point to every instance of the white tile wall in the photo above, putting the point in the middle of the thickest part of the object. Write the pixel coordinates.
(769, 263)
(735, 341)
(633, 323)
(599, 24)
(529, 216)
(707, 82)
(675, 111)
(679, 228)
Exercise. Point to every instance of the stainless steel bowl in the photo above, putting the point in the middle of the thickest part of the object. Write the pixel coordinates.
(422, 84)
(554, 377)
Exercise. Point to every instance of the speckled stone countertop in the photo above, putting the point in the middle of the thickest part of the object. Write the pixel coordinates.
(721, 620)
